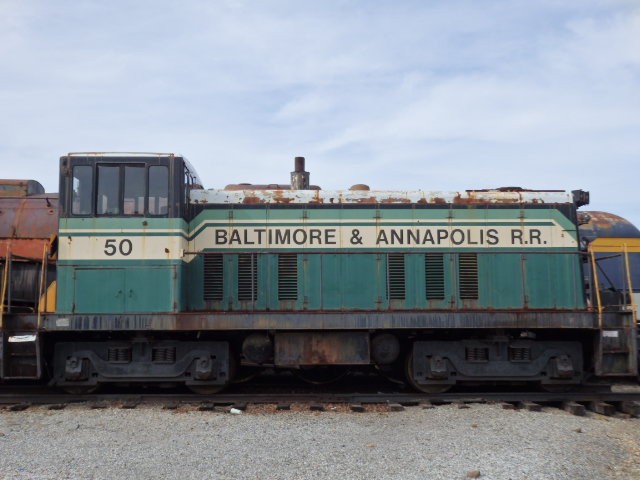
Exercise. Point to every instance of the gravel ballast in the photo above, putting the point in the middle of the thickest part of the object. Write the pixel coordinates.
(445, 442)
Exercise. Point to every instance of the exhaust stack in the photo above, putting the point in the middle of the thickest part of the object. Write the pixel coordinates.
(299, 177)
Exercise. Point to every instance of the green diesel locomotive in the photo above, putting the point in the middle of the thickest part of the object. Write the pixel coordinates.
(157, 280)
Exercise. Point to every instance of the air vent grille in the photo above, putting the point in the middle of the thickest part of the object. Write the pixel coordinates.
(468, 276)
(395, 276)
(434, 276)
(213, 277)
(247, 276)
(287, 276)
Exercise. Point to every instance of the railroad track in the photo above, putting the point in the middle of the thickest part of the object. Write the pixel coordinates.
(578, 403)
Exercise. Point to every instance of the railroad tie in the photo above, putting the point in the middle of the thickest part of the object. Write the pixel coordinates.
(575, 408)
(603, 408)
(530, 406)
(630, 407)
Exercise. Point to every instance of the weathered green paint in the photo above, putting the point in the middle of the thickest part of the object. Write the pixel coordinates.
(131, 288)
(328, 280)
(103, 284)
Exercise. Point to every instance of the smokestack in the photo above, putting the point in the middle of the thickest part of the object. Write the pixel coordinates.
(299, 177)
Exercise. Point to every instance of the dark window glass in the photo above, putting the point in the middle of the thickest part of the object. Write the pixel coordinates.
(82, 190)
(108, 197)
(134, 190)
(158, 190)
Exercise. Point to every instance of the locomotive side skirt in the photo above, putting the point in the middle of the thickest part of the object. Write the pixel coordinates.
(325, 321)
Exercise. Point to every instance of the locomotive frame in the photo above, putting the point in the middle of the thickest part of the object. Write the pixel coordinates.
(160, 281)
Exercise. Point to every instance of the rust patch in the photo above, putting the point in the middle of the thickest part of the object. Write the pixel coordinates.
(330, 348)
(278, 197)
(494, 200)
(252, 200)
(25, 249)
(605, 220)
(20, 188)
(34, 217)
(367, 200)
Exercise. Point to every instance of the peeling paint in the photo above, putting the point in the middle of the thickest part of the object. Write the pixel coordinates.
(27, 224)
(354, 197)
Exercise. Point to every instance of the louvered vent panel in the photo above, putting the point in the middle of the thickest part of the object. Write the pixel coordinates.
(213, 277)
(247, 276)
(287, 276)
(395, 276)
(468, 276)
(434, 276)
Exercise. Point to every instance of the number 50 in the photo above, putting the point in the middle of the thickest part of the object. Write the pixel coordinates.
(111, 246)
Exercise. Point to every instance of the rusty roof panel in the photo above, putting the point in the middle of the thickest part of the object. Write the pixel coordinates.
(29, 217)
(354, 197)
(20, 188)
(270, 186)
(596, 224)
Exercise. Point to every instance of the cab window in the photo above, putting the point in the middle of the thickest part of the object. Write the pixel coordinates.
(134, 190)
(158, 190)
(108, 195)
(82, 190)
(123, 189)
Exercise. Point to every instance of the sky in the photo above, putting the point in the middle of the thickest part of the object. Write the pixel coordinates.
(403, 95)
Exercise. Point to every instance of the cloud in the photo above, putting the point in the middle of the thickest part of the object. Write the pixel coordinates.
(414, 94)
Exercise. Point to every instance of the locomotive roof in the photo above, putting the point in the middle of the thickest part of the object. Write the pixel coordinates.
(351, 197)
(282, 194)
(123, 154)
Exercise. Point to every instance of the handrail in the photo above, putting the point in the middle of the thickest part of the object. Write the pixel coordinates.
(629, 285)
(5, 275)
(42, 281)
(596, 286)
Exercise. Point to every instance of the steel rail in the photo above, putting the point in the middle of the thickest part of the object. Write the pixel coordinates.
(39, 398)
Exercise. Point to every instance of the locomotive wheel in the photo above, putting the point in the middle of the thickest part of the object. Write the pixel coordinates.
(431, 388)
(213, 389)
(320, 375)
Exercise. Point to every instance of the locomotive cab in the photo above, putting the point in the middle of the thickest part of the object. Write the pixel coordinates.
(122, 236)
(115, 210)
